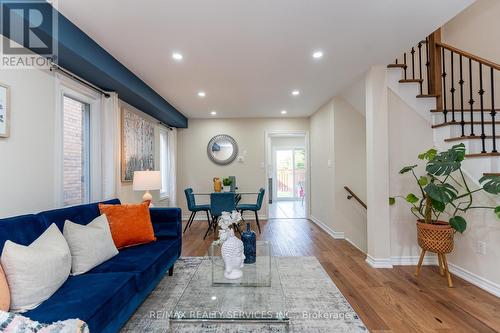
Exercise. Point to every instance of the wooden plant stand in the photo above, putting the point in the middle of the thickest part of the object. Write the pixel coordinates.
(443, 266)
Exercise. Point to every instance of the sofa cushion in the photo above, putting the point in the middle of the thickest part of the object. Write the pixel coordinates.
(93, 298)
(35, 272)
(21, 230)
(146, 261)
(82, 214)
(130, 224)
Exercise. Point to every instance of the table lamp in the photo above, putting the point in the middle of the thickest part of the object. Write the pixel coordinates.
(147, 181)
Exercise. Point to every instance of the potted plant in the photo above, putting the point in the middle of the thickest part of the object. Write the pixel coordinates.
(227, 184)
(444, 198)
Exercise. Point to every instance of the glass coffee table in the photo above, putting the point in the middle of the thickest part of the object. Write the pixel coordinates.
(255, 298)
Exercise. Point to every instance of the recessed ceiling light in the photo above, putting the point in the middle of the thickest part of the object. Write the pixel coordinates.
(317, 54)
(283, 112)
(177, 56)
(295, 93)
(213, 113)
(201, 94)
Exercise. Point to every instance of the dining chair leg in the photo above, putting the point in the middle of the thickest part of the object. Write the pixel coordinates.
(188, 222)
(194, 215)
(257, 220)
(241, 213)
(208, 229)
(208, 217)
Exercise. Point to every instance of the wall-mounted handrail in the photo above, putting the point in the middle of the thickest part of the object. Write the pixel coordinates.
(353, 195)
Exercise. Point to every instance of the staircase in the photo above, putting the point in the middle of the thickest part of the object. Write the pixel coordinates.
(458, 93)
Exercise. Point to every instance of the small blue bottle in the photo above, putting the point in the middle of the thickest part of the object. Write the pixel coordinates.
(249, 247)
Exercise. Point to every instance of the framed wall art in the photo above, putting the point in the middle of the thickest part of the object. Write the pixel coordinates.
(137, 144)
(4, 111)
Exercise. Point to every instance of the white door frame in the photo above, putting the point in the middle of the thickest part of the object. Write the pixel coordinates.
(268, 162)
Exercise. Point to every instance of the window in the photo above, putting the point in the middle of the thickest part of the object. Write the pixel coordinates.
(164, 163)
(76, 152)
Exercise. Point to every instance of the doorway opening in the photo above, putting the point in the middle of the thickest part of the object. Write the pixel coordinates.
(287, 175)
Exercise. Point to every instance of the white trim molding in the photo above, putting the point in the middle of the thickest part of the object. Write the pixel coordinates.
(379, 262)
(487, 285)
(429, 260)
(327, 229)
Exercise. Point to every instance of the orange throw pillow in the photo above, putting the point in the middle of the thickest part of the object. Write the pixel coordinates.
(129, 224)
(4, 292)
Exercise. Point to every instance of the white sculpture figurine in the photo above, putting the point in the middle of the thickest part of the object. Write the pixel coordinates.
(233, 256)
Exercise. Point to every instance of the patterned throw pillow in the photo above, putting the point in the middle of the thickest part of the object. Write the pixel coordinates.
(12, 322)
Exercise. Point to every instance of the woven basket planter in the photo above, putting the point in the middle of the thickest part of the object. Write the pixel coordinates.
(436, 237)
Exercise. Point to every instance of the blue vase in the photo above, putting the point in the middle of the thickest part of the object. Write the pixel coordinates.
(249, 247)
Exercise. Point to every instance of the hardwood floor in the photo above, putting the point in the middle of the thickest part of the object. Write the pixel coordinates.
(387, 300)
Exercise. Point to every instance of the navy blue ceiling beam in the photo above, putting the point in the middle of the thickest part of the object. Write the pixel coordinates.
(80, 54)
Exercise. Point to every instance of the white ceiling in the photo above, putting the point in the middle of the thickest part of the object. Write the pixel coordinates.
(248, 55)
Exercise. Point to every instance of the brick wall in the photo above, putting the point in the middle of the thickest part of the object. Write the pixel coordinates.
(74, 189)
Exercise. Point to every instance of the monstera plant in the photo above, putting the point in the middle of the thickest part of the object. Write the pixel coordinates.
(444, 194)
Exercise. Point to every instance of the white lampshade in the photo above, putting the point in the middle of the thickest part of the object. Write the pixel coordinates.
(147, 180)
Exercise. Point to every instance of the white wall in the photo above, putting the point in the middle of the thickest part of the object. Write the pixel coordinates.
(322, 174)
(475, 30)
(350, 170)
(195, 170)
(409, 135)
(338, 159)
(27, 157)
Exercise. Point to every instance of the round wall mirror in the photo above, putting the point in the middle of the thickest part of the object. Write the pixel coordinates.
(222, 149)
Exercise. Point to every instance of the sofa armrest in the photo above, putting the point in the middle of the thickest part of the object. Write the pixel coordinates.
(167, 222)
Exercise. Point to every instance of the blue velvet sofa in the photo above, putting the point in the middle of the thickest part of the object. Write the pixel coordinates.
(107, 296)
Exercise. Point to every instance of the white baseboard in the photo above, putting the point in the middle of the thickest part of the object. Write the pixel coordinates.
(328, 229)
(354, 244)
(378, 262)
(429, 260)
(478, 281)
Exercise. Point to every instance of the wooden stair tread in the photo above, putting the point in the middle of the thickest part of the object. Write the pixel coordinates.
(396, 66)
(428, 95)
(457, 123)
(482, 155)
(465, 111)
(470, 137)
(410, 80)
(491, 174)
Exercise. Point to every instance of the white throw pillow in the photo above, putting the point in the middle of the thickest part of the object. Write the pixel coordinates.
(90, 244)
(35, 272)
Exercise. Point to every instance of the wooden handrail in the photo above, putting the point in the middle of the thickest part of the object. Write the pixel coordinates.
(353, 195)
(469, 55)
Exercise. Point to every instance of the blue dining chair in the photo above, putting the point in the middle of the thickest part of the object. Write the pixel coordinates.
(253, 207)
(194, 208)
(220, 202)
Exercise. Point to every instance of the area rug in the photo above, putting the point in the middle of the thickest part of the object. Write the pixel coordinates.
(314, 303)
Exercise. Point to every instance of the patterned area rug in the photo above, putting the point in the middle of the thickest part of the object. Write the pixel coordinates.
(314, 303)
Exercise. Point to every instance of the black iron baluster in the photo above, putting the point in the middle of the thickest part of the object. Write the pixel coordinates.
(405, 65)
(461, 82)
(445, 110)
(427, 65)
(481, 102)
(452, 90)
(396, 61)
(413, 63)
(420, 67)
(493, 111)
(471, 100)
